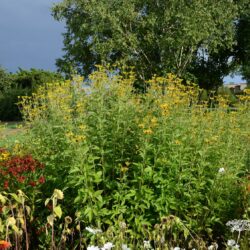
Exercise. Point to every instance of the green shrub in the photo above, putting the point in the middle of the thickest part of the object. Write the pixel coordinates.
(24, 82)
(6, 80)
(31, 79)
(9, 110)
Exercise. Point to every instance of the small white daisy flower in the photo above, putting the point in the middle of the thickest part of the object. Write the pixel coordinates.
(125, 247)
(221, 170)
(231, 243)
(107, 246)
(93, 248)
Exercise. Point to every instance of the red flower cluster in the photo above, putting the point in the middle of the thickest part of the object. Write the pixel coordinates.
(4, 244)
(21, 169)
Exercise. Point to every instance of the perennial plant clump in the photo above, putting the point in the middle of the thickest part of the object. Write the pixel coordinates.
(160, 169)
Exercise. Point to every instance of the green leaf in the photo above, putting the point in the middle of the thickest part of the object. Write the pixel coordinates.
(186, 233)
(16, 198)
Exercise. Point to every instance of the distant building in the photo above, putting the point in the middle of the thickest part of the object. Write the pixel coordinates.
(236, 88)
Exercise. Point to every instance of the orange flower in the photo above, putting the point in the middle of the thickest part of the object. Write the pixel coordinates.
(4, 244)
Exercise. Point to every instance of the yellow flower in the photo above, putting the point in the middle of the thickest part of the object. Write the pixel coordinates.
(164, 106)
(141, 125)
(79, 138)
(153, 122)
(82, 127)
(177, 142)
(147, 131)
(4, 156)
(69, 134)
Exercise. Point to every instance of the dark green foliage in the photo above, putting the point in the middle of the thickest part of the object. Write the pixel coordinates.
(6, 80)
(210, 70)
(9, 110)
(32, 78)
(243, 45)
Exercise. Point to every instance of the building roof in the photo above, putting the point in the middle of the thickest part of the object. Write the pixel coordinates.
(233, 85)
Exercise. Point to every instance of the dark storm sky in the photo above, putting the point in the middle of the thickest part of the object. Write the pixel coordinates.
(29, 36)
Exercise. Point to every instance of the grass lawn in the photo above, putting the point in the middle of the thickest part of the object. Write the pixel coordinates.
(9, 132)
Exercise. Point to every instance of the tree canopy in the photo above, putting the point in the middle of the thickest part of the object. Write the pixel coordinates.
(153, 36)
(242, 53)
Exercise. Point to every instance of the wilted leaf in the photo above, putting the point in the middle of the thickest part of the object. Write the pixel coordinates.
(50, 219)
(46, 201)
(58, 211)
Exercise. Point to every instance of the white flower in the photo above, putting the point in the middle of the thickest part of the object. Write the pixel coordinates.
(214, 246)
(107, 246)
(123, 225)
(146, 244)
(239, 225)
(93, 248)
(93, 230)
(236, 247)
(231, 243)
(221, 170)
(177, 248)
(125, 247)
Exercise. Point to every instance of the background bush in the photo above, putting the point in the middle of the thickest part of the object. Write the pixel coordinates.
(9, 110)
(24, 82)
(6, 80)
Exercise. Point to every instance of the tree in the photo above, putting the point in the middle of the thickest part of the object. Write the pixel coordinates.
(242, 51)
(210, 69)
(154, 36)
(6, 80)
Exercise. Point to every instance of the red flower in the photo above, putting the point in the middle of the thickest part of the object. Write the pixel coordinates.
(21, 179)
(21, 169)
(4, 244)
(32, 183)
(41, 179)
(6, 185)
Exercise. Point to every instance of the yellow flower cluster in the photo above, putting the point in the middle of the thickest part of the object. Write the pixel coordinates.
(166, 99)
(4, 156)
